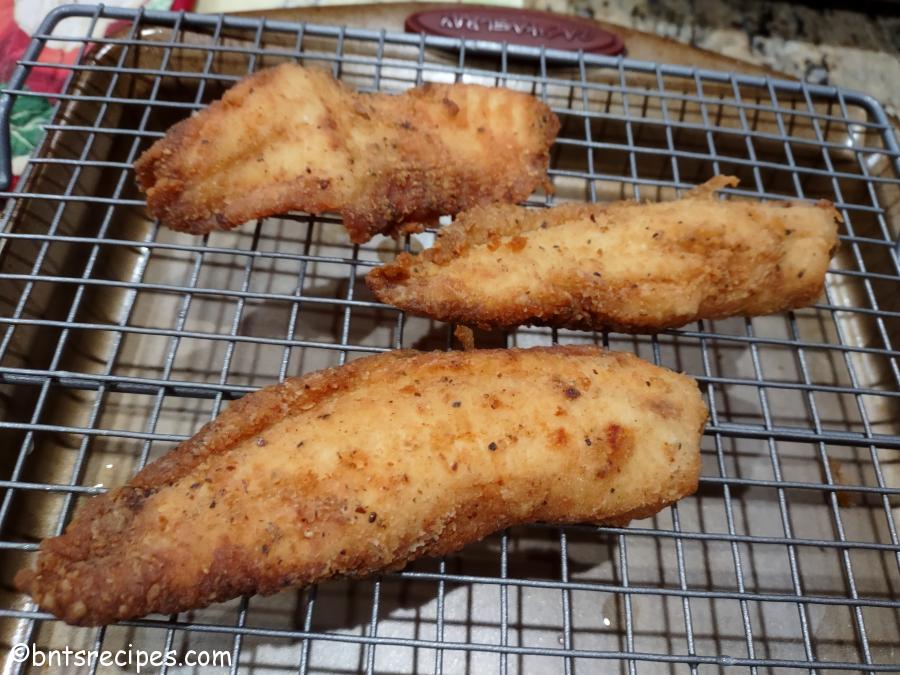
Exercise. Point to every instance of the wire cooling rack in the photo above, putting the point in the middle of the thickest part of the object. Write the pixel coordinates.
(119, 338)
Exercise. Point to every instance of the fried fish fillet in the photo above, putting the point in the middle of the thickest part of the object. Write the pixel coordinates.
(295, 138)
(623, 266)
(365, 467)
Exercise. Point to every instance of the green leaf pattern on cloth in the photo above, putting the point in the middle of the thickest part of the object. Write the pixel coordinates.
(29, 115)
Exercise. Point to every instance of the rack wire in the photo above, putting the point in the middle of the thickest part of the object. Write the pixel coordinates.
(119, 338)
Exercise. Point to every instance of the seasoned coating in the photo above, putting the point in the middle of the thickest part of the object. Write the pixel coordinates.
(295, 138)
(362, 468)
(622, 266)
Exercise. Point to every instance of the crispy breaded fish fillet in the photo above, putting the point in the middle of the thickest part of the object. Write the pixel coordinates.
(365, 467)
(622, 266)
(295, 138)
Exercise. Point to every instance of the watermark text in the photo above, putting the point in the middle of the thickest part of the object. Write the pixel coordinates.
(129, 658)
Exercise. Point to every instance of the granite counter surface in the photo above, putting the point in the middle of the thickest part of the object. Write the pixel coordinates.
(842, 47)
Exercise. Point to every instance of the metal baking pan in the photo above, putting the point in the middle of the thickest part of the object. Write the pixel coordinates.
(118, 338)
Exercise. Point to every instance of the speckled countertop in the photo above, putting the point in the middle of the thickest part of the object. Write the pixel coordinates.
(827, 46)
(844, 47)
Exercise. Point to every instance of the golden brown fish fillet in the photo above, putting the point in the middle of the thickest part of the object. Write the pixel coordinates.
(365, 467)
(294, 138)
(622, 266)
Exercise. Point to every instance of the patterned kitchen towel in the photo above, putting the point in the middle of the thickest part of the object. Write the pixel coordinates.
(19, 19)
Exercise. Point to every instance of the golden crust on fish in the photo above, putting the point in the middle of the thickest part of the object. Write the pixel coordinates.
(362, 468)
(621, 266)
(294, 138)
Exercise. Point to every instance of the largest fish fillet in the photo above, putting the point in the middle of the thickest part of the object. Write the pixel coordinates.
(622, 266)
(365, 467)
(295, 138)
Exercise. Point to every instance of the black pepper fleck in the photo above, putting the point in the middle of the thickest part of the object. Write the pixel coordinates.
(492, 446)
(260, 441)
(456, 404)
(587, 441)
(572, 393)
(212, 504)
(372, 517)
(194, 486)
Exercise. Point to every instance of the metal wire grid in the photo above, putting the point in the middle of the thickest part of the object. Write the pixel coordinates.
(120, 338)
